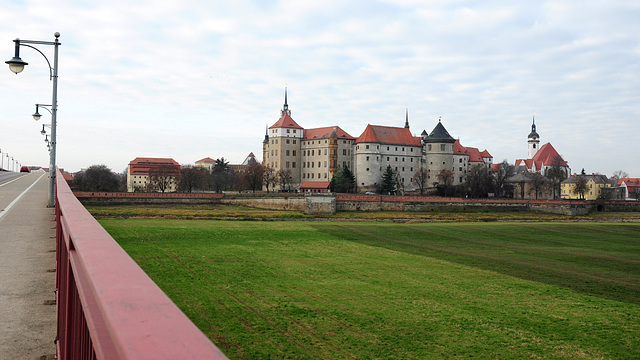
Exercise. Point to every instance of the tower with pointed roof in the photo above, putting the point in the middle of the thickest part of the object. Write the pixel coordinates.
(533, 140)
(438, 152)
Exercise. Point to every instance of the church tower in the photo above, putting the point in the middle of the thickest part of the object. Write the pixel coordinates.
(534, 140)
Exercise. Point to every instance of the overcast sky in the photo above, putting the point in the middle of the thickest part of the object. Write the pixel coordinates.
(193, 79)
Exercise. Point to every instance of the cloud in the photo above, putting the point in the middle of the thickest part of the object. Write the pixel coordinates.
(192, 79)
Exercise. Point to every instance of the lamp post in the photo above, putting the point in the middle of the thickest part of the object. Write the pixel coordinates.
(1, 160)
(17, 65)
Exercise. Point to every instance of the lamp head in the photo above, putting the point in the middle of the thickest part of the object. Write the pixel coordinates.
(16, 64)
(36, 115)
(43, 131)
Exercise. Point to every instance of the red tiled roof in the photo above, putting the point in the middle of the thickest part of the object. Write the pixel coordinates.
(458, 149)
(207, 159)
(314, 185)
(474, 154)
(630, 182)
(546, 154)
(153, 161)
(388, 135)
(285, 122)
(485, 154)
(325, 133)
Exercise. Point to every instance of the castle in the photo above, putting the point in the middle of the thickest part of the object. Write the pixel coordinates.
(310, 157)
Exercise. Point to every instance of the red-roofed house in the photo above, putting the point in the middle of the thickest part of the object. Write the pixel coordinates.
(305, 155)
(207, 163)
(631, 186)
(138, 178)
(466, 157)
(381, 146)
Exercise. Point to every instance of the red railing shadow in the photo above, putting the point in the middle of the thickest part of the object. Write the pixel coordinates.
(107, 307)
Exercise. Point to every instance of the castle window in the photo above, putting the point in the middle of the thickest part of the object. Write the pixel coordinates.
(293, 164)
(294, 152)
(366, 147)
(442, 147)
(344, 151)
(294, 140)
(429, 146)
(288, 131)
(318, 163)
(287, 165)
(387, 148)
(367, 158)
(402, 149)
(396, 148)
(325, 164)
(294, 131)
(367, 170)
(325, 151)
(287, 152)
(287, 141)
(534, 146)
(411, 149)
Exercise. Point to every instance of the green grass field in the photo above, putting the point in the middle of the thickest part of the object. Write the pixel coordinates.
(382, 290)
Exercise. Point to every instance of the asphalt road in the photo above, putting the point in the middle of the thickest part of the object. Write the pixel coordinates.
(27, 267)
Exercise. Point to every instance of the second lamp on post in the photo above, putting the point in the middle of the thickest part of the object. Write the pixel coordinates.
(17, 65)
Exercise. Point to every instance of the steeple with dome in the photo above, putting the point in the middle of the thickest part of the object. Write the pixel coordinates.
(533, 140)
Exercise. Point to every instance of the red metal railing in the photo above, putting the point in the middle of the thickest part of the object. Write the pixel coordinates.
(107, 307)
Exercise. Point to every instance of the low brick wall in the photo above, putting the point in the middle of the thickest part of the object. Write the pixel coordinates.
(330, 203)
(297, 203)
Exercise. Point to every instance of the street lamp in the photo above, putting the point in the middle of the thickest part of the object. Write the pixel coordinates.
(17, 65)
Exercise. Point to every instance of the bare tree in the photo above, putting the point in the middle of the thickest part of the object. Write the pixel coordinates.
(445, 180)
(479, 181)
(192, 178)
(284, 179)
(617, 175)
(557, 174)
(580, 186)
(253, 177)
(505, 171)
(97, 178)
(420, 179)
(161, 178)
(269, 177)
(538, 184)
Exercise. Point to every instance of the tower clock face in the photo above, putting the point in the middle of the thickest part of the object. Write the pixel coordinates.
(534, 138)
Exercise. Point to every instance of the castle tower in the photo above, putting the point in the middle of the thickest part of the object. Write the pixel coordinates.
(533, 140)
(282, 144)
(439, 152)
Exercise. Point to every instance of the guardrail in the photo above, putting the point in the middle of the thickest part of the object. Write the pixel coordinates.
(107, 307)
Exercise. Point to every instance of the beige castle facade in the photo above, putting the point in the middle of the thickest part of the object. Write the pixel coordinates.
(312, 156)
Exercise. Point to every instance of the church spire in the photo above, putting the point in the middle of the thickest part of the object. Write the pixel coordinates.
(266, 133)
(285, 107)
(406, 121)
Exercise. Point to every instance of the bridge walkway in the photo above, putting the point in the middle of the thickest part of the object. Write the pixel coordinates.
(27, 269)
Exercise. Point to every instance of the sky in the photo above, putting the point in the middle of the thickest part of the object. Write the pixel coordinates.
(193, 79)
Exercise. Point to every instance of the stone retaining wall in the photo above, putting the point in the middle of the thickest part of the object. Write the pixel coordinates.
(330, 203)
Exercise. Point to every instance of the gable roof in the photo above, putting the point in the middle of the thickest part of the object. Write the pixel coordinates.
(629, 182)
(325, 133)
(285, 121)
(546, 154)
(388, 135)
(251, 158)
(206, 160)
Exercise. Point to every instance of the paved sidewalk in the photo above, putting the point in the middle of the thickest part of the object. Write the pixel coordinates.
(27, 276)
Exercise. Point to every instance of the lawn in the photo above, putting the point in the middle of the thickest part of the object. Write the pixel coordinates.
(382, 290)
